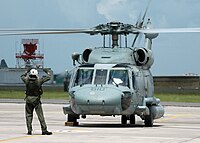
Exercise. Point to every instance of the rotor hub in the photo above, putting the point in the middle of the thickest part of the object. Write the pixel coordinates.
(113, 28)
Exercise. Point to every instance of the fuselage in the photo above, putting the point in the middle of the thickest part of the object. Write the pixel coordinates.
(113, 81)
(109, 89)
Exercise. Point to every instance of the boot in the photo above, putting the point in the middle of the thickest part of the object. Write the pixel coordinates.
(46, 133)
(29, 133)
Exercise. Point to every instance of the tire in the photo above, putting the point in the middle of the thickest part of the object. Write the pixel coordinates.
(72, 118)
(124, 119)
(132, 119)
(148, 119)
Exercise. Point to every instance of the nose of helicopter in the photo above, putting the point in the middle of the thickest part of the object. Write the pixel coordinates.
(98, 100)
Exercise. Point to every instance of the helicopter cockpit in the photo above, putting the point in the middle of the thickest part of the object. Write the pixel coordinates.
(101, 74)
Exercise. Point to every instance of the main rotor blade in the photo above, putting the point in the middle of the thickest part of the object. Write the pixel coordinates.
(140, 20)
(139, 24)
(145, 13)
(136, 36)
(4, 32)
(170, 30)
(41, 29)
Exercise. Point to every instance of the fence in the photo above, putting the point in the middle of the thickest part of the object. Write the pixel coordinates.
(176, 84)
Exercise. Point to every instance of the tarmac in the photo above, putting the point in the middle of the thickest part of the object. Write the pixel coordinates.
(179, 125)
(53, 101)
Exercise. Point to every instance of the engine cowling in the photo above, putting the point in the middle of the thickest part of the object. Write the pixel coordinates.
(85, 55)
(143, 57)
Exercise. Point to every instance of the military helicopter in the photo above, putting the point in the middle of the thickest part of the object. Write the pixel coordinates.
(115, 79)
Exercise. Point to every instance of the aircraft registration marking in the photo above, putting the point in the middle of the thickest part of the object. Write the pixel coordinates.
(97, 88)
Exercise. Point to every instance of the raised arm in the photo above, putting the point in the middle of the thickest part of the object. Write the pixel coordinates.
(24, 77)
(47, 77)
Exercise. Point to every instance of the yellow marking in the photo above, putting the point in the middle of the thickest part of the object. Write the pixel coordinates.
(16, 138)
(173, 117)
(80, 130)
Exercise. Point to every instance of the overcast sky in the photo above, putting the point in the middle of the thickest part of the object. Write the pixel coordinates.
(174, 54)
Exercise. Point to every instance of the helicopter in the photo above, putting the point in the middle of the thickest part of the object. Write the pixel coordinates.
(114, 79)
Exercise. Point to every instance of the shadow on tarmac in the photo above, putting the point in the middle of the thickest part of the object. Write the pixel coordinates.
(115, 126)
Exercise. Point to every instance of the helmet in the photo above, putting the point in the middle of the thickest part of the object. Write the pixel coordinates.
(33, 72)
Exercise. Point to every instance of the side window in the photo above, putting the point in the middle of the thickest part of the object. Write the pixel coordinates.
(83, 76)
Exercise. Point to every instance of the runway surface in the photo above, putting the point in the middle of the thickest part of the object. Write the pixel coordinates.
(179, 125)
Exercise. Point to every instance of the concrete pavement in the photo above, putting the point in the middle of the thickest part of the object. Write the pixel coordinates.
(180, 124)
(55, 101)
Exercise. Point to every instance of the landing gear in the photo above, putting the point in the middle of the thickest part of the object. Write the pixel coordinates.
(72, 120)
(148, 119)
(131, 118)
(124, 119)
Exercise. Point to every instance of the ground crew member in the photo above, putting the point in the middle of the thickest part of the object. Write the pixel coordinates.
(33, 95)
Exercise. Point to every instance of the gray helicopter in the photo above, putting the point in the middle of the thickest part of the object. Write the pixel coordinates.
(116, 80)
(113, 80)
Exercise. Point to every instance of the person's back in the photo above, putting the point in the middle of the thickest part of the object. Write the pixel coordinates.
(33, 95)
(33, 88)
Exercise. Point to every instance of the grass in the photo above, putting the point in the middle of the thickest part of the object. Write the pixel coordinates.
(17, 94)
(183, 97)
(60, 94)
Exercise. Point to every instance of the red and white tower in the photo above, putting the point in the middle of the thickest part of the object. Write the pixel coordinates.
(31, 55)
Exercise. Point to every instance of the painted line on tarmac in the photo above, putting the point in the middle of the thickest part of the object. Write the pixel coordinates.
(173, 117)
(77, 130)
(16, 138)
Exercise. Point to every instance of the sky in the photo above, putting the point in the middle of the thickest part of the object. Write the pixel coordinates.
(174, 54)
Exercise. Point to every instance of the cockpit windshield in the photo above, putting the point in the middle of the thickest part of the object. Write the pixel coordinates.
(101, 77)
(119, 77)
(84, 76)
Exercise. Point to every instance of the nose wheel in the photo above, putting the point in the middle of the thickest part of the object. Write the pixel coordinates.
(125, 118)
(72, 120)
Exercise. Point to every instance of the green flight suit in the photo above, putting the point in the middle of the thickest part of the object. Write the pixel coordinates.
(33, 93)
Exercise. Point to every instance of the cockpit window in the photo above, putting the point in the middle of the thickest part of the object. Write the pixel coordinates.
(84, 76)
(119, 75)
(100, 77)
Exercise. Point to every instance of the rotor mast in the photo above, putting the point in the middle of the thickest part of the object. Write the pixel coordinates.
(114, 29)
(115, 40)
